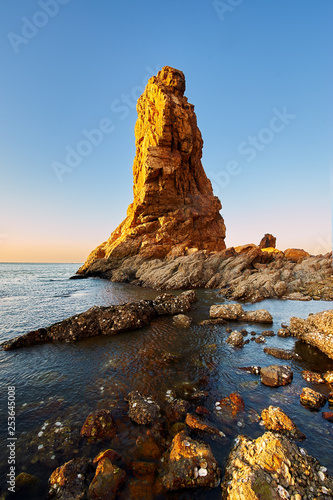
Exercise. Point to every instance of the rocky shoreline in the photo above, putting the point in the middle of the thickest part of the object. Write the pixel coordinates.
(249, 273)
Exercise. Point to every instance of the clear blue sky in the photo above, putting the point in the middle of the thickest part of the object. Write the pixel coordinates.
(258, 72)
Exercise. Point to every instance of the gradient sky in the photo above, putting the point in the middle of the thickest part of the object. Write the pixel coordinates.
(258, 72)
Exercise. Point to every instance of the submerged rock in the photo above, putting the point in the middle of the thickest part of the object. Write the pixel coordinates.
(282, 353)
(198, 424)
(142, 409)
(328, 415)
(276, 375)
(316, 330)
(311, 399)
(276, 420)
(313, 377)
(182, 320)
(71, 480)
(106, 320)
(190, 464)
(99, 426)
(269, 468)
(107, 481)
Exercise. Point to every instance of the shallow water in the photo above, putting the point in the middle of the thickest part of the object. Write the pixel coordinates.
(65, 382)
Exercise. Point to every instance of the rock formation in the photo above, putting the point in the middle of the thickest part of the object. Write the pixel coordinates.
(174, 211)
(267, 241)
(316, 330)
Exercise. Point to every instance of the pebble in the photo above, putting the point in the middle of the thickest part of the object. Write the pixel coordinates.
(40, 434)
(202, 472)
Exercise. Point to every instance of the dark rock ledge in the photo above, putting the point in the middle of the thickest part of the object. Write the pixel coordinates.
(106, 320)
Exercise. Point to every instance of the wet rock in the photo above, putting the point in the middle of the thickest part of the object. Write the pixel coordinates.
(313, 377)
(230, 406)
(276, 375)
(276, 420)
(182, 321)
(254, 370)
(168, 357)
(99, 426)
(71, 480)
(202, 411)
(190, 391)
(27, 485)
(282, 353)
(328, 376)
(107, 481)
(177, 427)
(228, 329)
(328, 415)
(142, 409)
(177, 410)
(268, 333)
(235, 312)
(330, 398)
(144, 469)
(269, 468)
(148, 447)
(311, 399)
(316, 330)
(190, 464)
(236, 339)
(106, 320)
(216, 321)
(112, 455)
(198, 424)
(244, 332)
(260, 339)
(283, 332)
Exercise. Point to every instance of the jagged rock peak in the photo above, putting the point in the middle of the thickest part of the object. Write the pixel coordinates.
(174, 211)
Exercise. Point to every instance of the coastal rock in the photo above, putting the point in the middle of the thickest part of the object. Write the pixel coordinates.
(328, 415)
(190, 464)
(106, 320)
(174, 211)
(276, 420)
(282, 353)
(177, 410)
(316, 330)
(99, 426)
(182, 320)
(235, 312)
(283, 332)
(230, 406)
(254, 370)
(142, 410)
(110, 454)
(267, 241)
(328, 376)
(311, 399)
(71, 480)
(313, 377)
(276, 375)
(236, 339)
(269, 468)
(295, 254)
(198, 424)
(107, 481)
(330, 398)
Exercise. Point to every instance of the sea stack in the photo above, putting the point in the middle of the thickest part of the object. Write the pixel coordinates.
(174, 211)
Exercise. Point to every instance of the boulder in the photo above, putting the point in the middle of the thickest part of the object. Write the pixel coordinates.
(236, 339)
(295, 254)
(190, 464)
(107, 481)
(311, 399)
(276, 375)
(99, 426)
(268, 468)
(235, 312)
(174, 211)
(316, 330)
(328, 377)
(282, 353)
(71, 480)
(142, 409)
(182, 321)
(276, 420)
(267, 241)
(313, 377)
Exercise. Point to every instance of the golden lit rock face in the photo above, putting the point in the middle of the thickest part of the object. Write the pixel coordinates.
(174, 211)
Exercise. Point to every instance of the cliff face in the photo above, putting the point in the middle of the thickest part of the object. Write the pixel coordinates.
(174, 211)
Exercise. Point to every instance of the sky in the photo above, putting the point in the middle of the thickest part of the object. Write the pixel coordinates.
(258, 72)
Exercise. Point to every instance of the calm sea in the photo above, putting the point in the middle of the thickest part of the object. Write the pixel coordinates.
(64, 382)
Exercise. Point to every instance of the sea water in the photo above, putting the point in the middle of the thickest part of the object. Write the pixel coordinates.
(64, 382)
